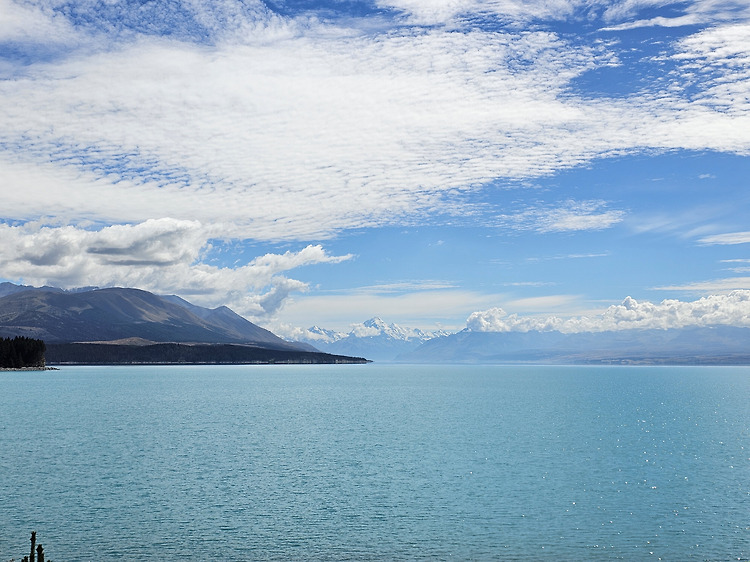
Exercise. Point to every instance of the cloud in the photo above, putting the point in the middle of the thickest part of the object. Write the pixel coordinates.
(431, 12)
(659, 21)
(731, 309)
(566, 217)
(744, 266)
(362, 131)
(697, 12)
(729, 238)
(568, 257)
(306, 131)
(121, 20)
(241, 124)
(716, 285)
(716, 62)
(26, 24)
(404, 287)
(164, 256)
(416, 308)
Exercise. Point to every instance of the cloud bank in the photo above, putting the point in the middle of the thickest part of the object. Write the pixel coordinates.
(294, 128)
(731, 309)
(163, 256)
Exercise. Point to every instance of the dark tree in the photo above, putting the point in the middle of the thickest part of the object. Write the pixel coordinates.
(21, 352)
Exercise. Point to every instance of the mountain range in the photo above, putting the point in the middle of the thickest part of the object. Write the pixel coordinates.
(132, 319)
(691, 345)
(374, 339)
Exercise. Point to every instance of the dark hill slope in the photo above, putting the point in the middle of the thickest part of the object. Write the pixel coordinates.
(183, 353)
(117, 313)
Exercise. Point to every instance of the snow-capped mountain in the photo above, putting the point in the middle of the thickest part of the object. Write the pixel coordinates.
(374, 339)
(318, 334)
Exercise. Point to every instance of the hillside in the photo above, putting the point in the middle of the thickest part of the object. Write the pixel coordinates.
(57, 316)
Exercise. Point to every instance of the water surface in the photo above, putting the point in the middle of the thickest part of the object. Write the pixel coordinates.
(378, 462)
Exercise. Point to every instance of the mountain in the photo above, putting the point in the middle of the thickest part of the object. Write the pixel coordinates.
(694, 345)
(112, 314)
(374, 339)
(7, 288)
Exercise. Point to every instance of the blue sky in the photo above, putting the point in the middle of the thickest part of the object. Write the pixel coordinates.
(512, 163)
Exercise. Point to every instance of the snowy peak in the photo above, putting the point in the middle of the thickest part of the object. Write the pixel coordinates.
(318, 334)
(377, 328)
(374, 339)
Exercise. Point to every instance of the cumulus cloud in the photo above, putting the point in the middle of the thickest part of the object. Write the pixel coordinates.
(164, 256)
(730, 309)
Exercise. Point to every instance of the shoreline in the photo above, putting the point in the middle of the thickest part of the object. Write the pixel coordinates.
(29, 369)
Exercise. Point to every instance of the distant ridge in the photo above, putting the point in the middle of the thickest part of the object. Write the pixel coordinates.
(716, 345)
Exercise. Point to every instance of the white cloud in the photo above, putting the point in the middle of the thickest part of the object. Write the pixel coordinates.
(743, 267)
(567, 216)
(715, 285)
(717, 62)
(696, 12)
(275, 129)
(425, 309)
(303, 135)
(402, 287)
(680, 21)
(730, 309)
(163, 256)
(25, 23)
(443, 11)
(728, 238)
(522, 11)
(584, 217)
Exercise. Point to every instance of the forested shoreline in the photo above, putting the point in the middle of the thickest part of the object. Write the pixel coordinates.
(22, 353)
(178, 353)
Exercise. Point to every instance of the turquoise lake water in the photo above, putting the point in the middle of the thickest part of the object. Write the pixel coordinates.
(376, 462)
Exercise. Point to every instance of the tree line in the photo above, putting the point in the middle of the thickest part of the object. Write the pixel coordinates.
(21, 352)
(177, 353)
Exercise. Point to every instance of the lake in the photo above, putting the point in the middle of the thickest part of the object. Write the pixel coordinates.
(376, 462)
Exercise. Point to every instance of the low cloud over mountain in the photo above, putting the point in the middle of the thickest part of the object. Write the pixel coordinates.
(732, 309)
(374, 339)
(710, 330)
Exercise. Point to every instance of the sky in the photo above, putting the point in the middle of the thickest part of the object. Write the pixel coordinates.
(496, 165)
